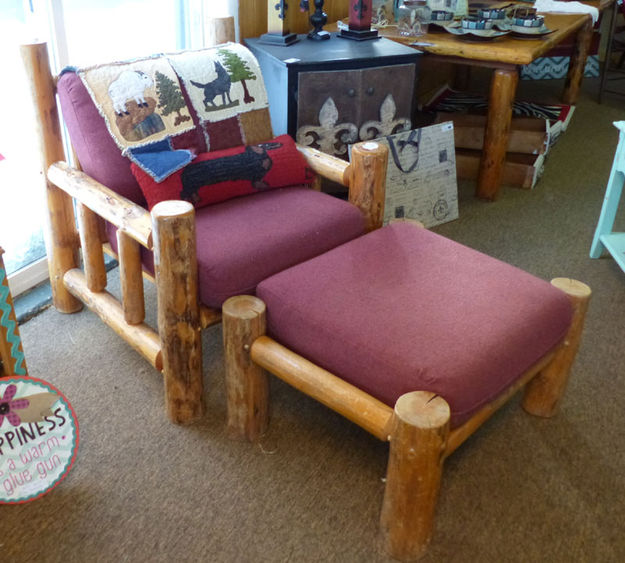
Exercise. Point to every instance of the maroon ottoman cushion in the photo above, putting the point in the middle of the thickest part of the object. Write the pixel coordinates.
(403, 309)
(242, 241)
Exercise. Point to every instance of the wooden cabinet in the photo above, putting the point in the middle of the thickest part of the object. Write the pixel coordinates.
(331, 93)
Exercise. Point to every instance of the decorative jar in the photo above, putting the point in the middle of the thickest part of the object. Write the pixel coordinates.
(413, 17)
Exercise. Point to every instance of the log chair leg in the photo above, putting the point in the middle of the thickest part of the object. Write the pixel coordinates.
(61, 236)
(247, 385)
(419, 431)
(543, 392)
(179, 327)
(368, 182)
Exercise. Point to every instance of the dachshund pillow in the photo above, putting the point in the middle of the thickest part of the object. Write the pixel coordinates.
(220, 175)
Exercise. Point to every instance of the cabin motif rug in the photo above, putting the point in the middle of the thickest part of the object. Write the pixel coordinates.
(144, 106)
(141, 101)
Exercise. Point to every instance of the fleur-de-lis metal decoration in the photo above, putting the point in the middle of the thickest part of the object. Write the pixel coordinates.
(360, 17)
(360, 7)
(281, 7)
(330, 136)
(278, 32)
(388, 124)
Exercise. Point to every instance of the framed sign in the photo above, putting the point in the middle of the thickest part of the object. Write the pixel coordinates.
(38, 438)
(421, 178)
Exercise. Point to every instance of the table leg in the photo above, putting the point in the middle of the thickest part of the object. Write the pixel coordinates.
(577, 64)
(502, 91)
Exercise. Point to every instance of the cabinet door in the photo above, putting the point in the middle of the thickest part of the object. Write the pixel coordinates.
(335, 108)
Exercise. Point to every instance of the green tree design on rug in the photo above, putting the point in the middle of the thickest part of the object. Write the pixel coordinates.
(170, 97)
(239, 72)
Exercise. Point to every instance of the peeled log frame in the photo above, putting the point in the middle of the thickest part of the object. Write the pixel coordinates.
(92, 252)
(419, 431)
(247, 385)
(219, 30)
(61, 236)
(367, 185)
(131, 278)
(544, 392)
(175, 265)
(502, 89)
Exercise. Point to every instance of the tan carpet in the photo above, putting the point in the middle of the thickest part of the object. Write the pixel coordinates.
(522, 489)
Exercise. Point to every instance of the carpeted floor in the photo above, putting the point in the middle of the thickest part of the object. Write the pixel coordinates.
(521, 489)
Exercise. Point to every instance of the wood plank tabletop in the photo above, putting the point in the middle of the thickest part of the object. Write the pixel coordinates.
(506, 50)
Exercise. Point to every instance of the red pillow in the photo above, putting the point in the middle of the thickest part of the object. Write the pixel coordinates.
(220, 175)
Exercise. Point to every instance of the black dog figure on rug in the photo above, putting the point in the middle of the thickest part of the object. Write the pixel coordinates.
(252, 165)
(218, 87)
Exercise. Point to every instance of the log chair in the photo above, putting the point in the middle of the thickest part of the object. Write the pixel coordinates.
(418, 427)
(175, 348)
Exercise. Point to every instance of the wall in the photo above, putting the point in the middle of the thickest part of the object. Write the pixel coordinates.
(253, 16)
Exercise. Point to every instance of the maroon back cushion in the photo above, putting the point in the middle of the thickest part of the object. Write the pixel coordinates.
(97, 152)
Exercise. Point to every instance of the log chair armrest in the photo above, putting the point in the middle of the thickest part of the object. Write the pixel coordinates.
(126, 215)
(326, 165)
(365, 176)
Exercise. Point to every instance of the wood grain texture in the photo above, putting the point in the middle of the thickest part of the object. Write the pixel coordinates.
(141, 337)
(91, 245)
(60, 232)
(247, 385)
(121, 212)
(323, 386)
(544, 393)
(577, 64)
(502, 92)
(367, 186)
(175, 265)
(220, 30)
(326, 165)
(502, 50)
(131, 278)
(419, 430)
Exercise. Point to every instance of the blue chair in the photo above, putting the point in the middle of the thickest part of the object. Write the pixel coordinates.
(604, 238)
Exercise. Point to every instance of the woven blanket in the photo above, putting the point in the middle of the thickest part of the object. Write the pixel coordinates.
(144, 107)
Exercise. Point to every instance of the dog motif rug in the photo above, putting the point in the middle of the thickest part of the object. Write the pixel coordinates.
(222, 82)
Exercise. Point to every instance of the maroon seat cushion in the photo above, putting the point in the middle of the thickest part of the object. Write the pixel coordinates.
(403, 309)
(247, 239)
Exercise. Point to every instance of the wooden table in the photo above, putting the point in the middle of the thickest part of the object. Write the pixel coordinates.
(504, 55)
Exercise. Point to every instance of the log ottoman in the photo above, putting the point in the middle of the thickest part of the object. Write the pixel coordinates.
(414, 337)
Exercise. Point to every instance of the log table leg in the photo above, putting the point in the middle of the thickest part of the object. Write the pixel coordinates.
(247, 385)
(578, 64)
(419, 431)
(543, 393)
(502, 91)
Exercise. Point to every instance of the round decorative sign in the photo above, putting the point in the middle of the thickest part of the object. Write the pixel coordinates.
(38, 438)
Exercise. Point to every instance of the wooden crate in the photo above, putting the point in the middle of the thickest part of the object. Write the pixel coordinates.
(527, 147)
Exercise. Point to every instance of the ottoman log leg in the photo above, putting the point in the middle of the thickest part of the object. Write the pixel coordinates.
(247, 385)
(543, 392)
(419, 431)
